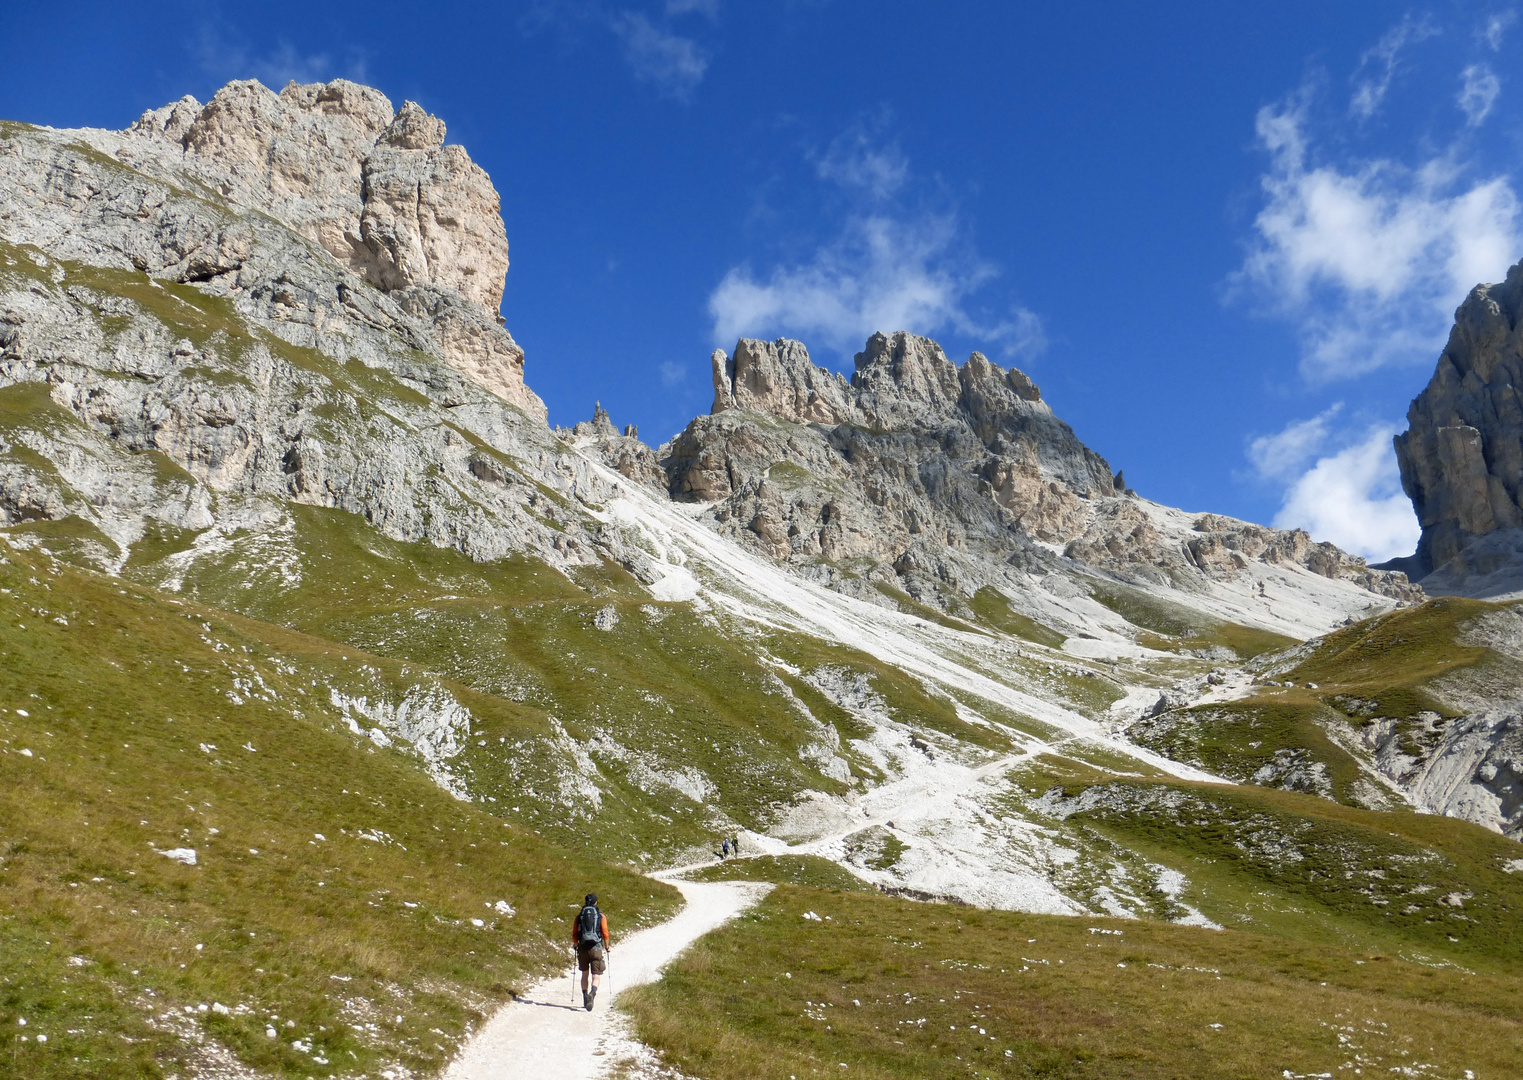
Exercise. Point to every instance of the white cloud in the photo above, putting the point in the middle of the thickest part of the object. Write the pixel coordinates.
(1496, 27)
(1353, 498)
(674, 64)
(881, 273)
(230, 60)
(1478, 94)
(1281, 456)
(888, 267)
(1377, 67)
(1371, 258)
(672, 373)
(854, 161)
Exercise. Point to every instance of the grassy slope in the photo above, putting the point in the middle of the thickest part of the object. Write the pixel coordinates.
(1176, 628)
(1278, 862)
(1379, 668)
(655, 695)
(992, 608)
(1238, 739)
(135, 741)
(1356, 940)
(891, 988)
(810, 870)
(1389, 660)
(516, 644)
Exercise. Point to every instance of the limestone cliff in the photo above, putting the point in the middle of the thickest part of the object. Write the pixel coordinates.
(1462, 455)
(938, 480)
(375, 188)
(269, 299)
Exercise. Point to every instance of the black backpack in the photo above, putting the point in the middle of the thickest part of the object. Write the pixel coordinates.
(589, 926)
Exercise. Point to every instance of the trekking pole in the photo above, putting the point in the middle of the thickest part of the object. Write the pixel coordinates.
(573, 976)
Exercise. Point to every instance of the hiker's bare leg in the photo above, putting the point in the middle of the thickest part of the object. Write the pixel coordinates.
(595, 978)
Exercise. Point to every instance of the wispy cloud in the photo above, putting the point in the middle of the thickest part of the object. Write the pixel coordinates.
(1377, 67)
(672, 373)
(1478, 93)
(227, 60)
(879, 273)
(1282, 455)
(672, 63)
(1370, 258)
(1496, 27)
(856, 161)
(889, 265)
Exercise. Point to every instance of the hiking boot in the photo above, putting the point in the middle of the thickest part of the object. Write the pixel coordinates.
(591, 994)
(586, 1000)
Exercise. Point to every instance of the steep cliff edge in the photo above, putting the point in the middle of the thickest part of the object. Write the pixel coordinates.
(1462, 454)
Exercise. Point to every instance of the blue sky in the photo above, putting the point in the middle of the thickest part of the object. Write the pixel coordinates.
(1225, 239)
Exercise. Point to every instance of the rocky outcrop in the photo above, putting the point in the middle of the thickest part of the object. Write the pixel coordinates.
(171, 358)
(1124, 537)
(1461, 456)
(777, 377)
(621, 451)
(375, 188)
(937, 478)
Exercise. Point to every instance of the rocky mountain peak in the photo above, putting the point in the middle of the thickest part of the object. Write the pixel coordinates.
(413, 129)
(213, 193)
(1462, 455)
(904, 380)
(934, 479)
(778, 377)
(376, 187)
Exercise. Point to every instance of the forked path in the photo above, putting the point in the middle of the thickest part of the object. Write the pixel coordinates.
(545, 1035)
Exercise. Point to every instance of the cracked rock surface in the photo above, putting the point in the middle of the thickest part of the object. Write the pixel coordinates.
(932, 477)
(1461, 456)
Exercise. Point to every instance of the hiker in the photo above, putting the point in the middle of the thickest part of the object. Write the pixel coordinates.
(589, 934)
(724, 849)
(735, 844)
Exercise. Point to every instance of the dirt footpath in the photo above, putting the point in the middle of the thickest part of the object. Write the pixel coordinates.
(547, 1035)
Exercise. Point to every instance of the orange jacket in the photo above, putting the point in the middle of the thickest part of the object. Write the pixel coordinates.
(603, 927)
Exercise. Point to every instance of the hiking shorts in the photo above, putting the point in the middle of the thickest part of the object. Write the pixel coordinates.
(590, 958)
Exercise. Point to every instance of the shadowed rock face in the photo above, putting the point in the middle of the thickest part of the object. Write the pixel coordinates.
(1462, 455)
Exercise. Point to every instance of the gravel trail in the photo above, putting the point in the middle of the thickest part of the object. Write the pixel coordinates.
(546, 1035)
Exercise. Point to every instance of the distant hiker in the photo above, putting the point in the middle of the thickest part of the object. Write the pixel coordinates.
(724, 849)
(735, 844)
(589, 934)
